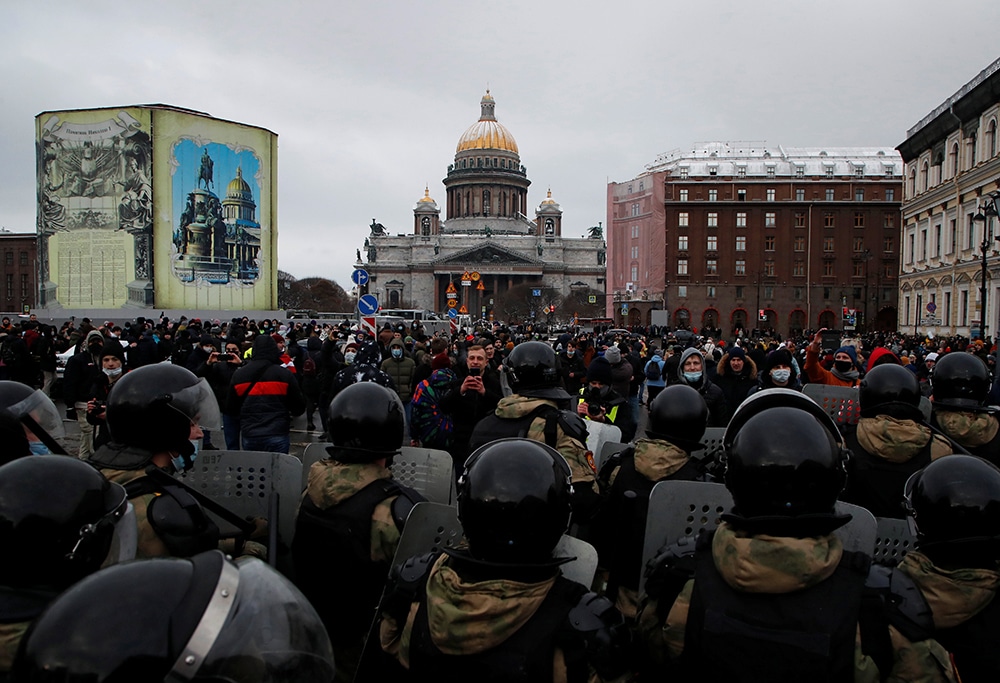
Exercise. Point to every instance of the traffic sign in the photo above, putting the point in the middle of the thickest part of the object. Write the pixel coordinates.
(931, 307)
(536, 292)
(452, 313)
(463, 310)
(368, 304)
(481, 287)
(592, 299)
(452, 303)
(360, 277)
(368, 323)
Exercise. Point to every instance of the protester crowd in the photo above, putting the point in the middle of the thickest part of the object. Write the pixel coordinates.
(773, 593)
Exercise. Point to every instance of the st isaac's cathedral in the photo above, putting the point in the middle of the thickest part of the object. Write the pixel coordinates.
(487, 239)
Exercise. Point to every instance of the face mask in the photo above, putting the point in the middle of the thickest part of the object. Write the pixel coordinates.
(349, 357)
(570, 352)
(692, 376)
(38, 448)
(178, 460)
(843, 365)
(208, 349)
(112, 372)
(397, 353)
(781, 376)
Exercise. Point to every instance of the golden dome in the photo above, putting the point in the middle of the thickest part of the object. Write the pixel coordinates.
(549, 199)
(238, 186)
(426, 199)
(487, 132)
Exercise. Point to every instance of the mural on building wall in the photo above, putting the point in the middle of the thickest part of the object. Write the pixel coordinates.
(215, 232)
(94, 191)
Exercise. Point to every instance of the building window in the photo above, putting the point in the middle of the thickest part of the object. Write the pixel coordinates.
(797, 293)
(684, 172)
(710, 291)
(829, 171)
(829, 194)
(800, 219)
(713, 170)
(24, 258)
(859, 219)
(635, 209)
(859, 244)
(800, 194)
(741, 243)
(937, 240)
(682, 291)
(799, 269)
(711, 266)
(682, 219)
(741, 195)
(923, 245)
(712, 243)
(770, 171)
(826, 293)
(800, 171)
(713, 195)
(683, 195)
(971, 233)
(741, 171)
(828, 244)
(964, 306)
(890, 194)
(859, 194)
(800, 243)
(889, 221)
(859, 171)
(635, 252)
(859, 269)
(9, 258)
(828, 221)
(828, 270)
(10, 283)
(770, 194)
(713, 220)
(741, 267)
(24, 286)
(954, 236)
(682, 266)
(769, 292)
(887, 245)
(889, 271)
(769, 243)
(913, 248)
(682, 243)
(741, 220)
(769, 219)
(635, 232)
(768, 268)
(641, 186)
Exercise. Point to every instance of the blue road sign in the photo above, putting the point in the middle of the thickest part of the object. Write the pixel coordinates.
(452, 313)
(360, 277)
(368, 304)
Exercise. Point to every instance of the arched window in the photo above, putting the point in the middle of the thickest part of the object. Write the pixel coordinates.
(953, 161)
(991, 139)
(913, 182)
(924, 176)
(486, 202)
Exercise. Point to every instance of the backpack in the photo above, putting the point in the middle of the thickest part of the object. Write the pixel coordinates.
(653, 370)
(308, 367)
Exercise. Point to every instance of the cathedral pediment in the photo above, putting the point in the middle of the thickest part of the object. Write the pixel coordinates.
(488, 254)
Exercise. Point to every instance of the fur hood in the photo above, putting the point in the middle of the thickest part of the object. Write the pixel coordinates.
(749, 367)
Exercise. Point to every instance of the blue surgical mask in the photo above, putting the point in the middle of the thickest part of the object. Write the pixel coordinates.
(178, 460)
(38, 448)
(692, 376)
(570, 352)
(781, 376)
(397, 353)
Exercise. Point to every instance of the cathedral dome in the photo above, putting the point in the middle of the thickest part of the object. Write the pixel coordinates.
(549, 205)
(426, 203)
(487, 132)
(239, 188)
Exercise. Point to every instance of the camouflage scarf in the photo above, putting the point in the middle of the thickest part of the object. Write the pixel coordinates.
(890, 439)
(466, 618)
(969, 429)
(332, 482)
(656, 459)
(954, 595)
(773, 564)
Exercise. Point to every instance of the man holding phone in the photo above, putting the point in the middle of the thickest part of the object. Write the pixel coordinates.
(475, 398)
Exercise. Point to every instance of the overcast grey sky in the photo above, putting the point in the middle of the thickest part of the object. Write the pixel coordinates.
(369, 98)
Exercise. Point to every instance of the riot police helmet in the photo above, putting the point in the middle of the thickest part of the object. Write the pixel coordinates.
(33, 409)
(679, 415)
(206, 618)
(954, 504)
(961, 383)
(784, 458)
(514, 501)
(890, 390)
(366, 422)
(153, 408)
(57, 520)
(532, 370)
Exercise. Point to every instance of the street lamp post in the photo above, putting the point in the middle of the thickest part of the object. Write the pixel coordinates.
(987, 210)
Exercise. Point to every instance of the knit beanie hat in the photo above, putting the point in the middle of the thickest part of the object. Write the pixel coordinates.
(599, 371)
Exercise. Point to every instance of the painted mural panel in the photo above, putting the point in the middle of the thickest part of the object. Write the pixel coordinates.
(218, 227)
(95, 206)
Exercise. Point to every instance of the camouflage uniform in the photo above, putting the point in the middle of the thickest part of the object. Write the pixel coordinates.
(10, 638)
(343, 587)
(979, 433)
(581, 461)
(469, 618)
(779, 565)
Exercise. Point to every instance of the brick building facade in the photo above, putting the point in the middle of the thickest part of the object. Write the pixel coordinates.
(18, 271)
(744, 235)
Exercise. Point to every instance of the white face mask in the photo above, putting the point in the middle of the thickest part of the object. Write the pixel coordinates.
(781, 376)
(349, 357)
(208, 349)
(112, 372)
